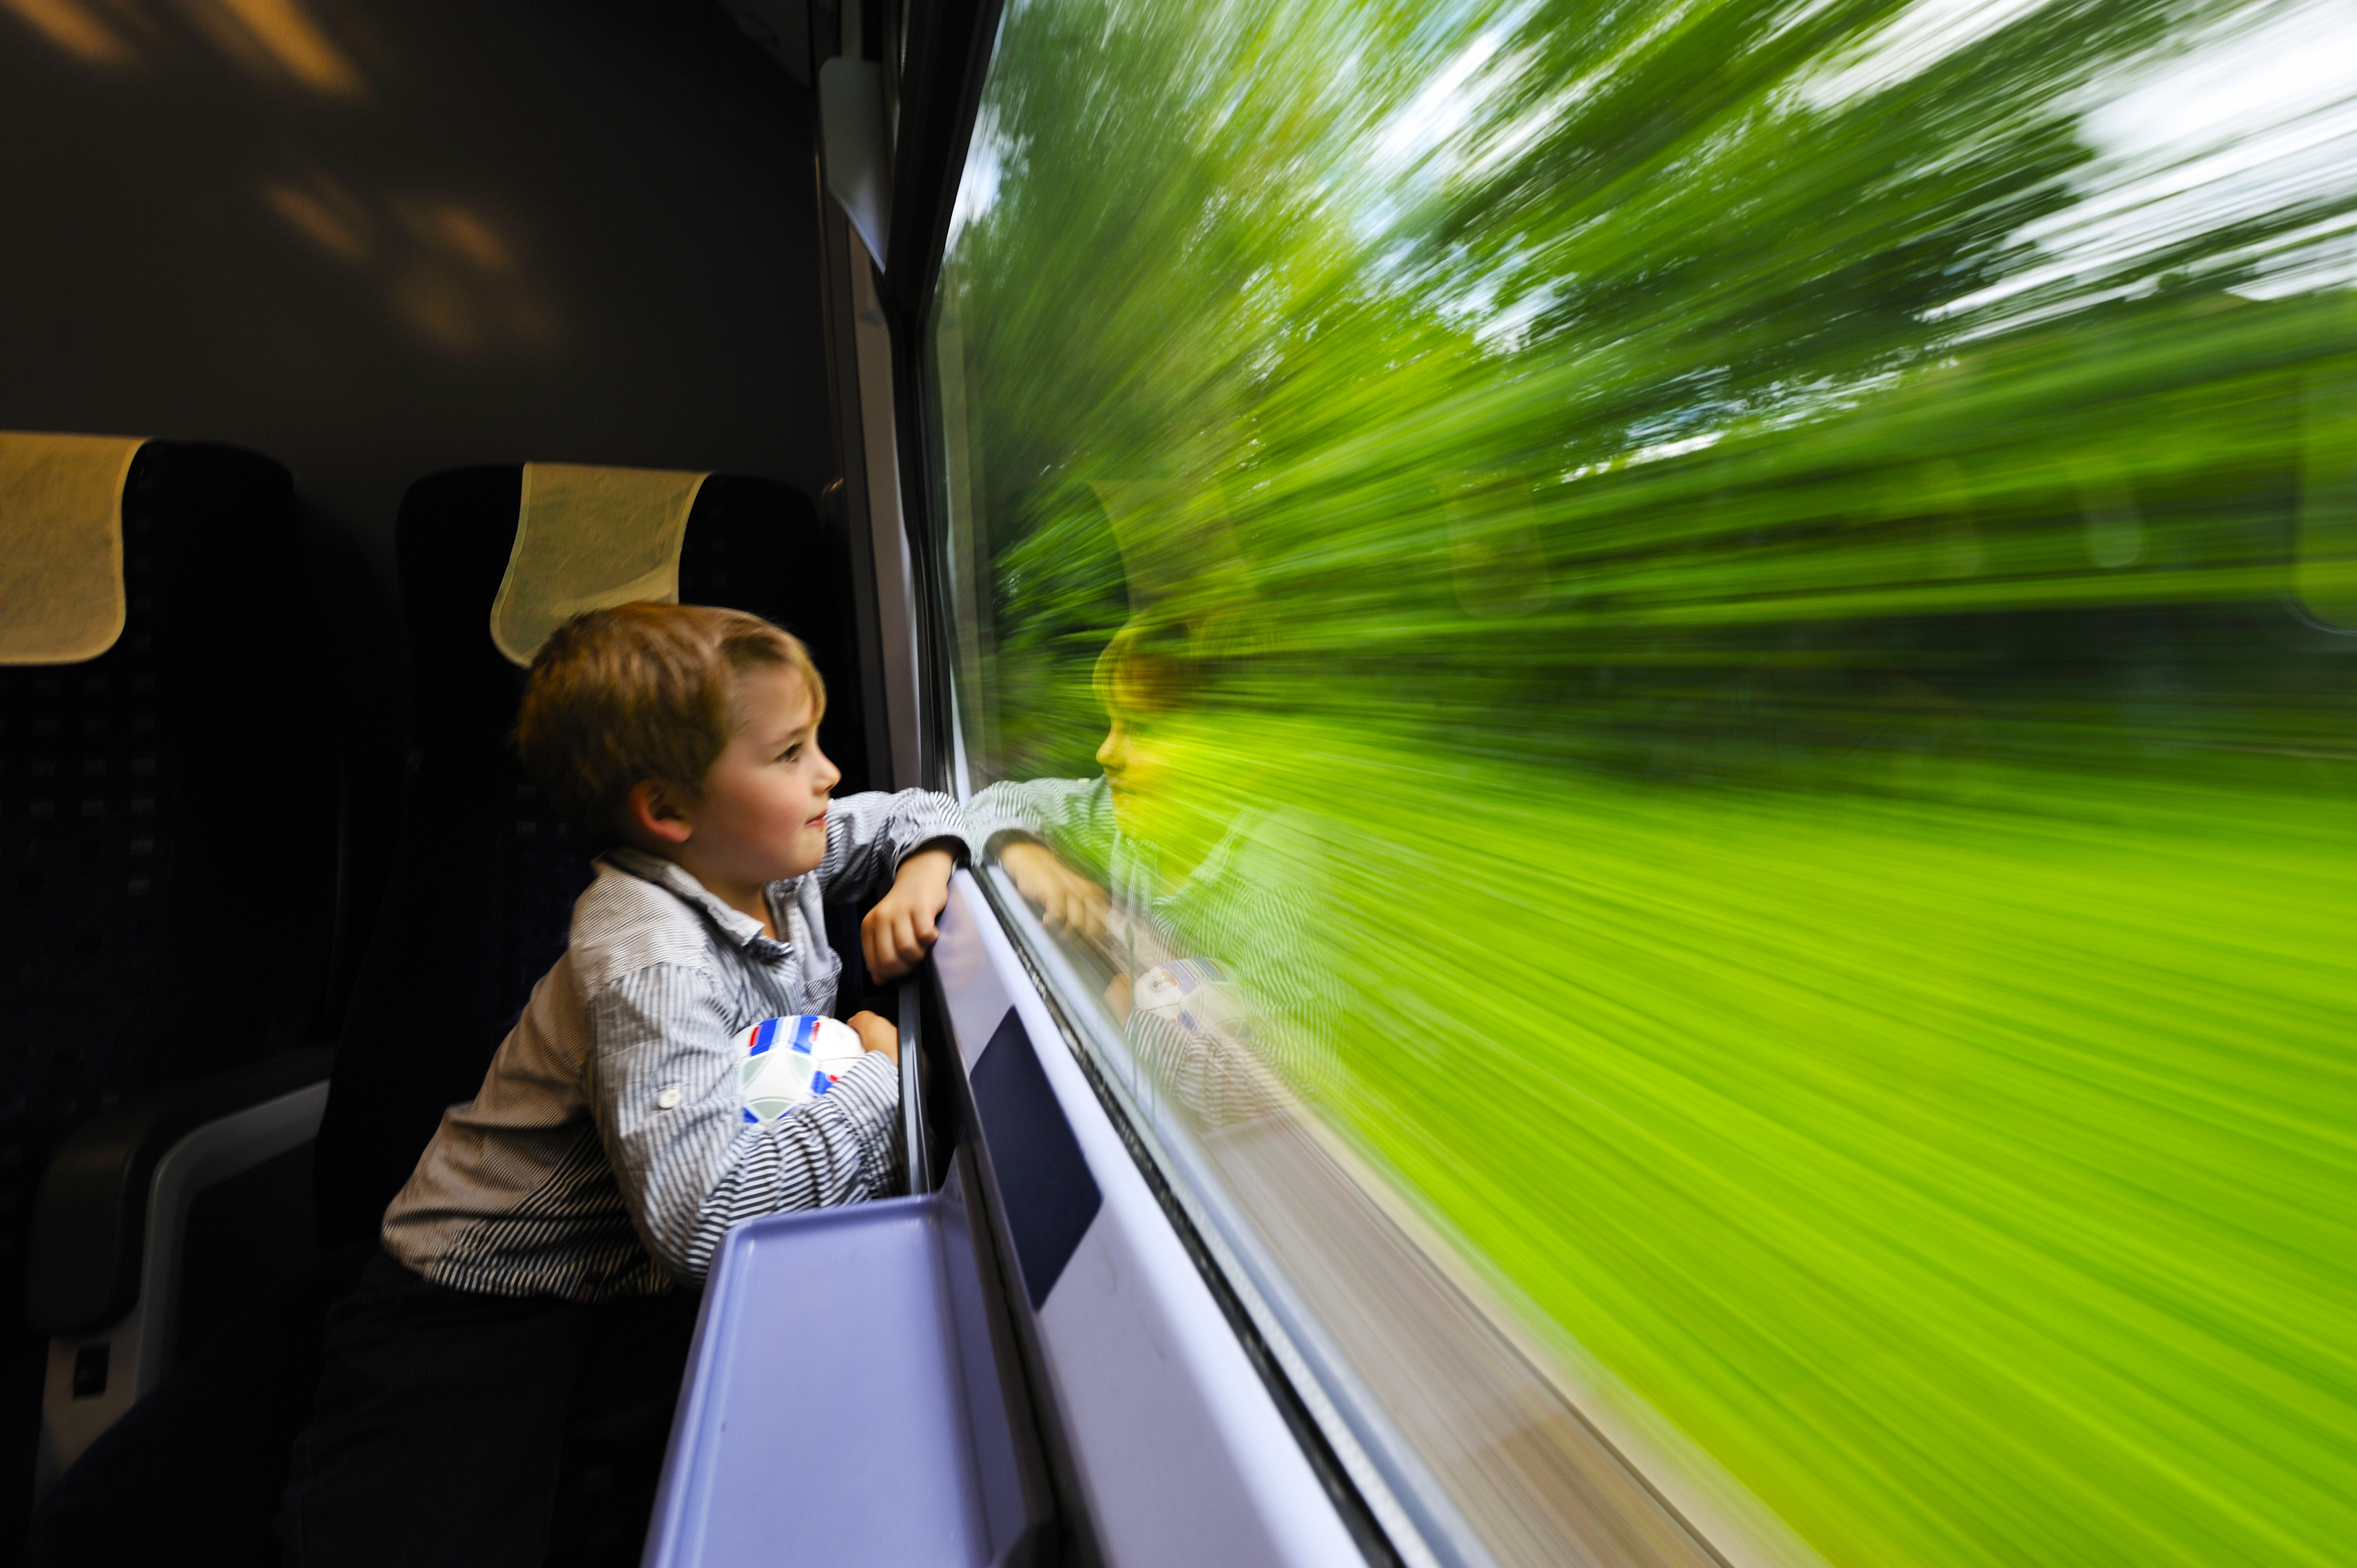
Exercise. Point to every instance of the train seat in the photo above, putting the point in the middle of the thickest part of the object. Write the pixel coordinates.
(169, 890)
(476, 910)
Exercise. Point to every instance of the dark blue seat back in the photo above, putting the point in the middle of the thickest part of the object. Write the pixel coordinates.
(167, 819)
(483, 885)
(168, 828)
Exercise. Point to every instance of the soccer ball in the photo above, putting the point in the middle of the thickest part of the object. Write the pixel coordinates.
(786, 1061)
(1192, 992)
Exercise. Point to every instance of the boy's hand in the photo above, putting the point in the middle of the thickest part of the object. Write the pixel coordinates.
(1068, 901)
(878, 1034)
(900, 932)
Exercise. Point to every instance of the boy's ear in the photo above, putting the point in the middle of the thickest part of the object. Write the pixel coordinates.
(652, 812)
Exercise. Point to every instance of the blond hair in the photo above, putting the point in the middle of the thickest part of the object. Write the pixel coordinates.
(638, 692)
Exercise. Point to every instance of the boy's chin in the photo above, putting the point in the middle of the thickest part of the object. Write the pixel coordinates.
(803, 861)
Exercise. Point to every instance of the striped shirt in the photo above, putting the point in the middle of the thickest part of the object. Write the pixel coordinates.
(608, 1150)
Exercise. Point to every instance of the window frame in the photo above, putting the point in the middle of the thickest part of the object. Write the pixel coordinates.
(939, 95)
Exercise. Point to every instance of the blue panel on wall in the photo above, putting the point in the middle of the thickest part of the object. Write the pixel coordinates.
(1043, 1181)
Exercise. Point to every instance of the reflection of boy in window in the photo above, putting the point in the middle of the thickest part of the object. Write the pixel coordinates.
(1198, 895)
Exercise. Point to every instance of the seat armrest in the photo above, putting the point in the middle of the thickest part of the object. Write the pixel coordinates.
(90, 1220)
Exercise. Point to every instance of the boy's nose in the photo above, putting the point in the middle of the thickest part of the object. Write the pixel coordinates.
(829, 774)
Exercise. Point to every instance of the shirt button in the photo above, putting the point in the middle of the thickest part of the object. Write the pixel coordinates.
(667, 1099)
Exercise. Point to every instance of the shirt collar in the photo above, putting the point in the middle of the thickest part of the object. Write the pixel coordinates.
(740, 928)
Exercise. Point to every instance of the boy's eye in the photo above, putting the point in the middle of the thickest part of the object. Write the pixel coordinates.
(790, 752)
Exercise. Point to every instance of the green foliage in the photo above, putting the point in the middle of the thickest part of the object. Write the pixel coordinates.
(1784, 554)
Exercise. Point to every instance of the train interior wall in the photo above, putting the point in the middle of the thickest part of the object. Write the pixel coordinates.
(373, 241)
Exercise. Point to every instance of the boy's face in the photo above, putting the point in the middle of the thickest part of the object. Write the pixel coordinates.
(1133, 758)
(1165, 790)
(761, 813)
(1135, 752)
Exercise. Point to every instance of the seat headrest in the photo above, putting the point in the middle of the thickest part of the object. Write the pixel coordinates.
(61, 599)
(587, 538)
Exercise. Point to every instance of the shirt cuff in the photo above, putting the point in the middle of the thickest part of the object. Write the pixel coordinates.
(868, 1093)
(941, 826)
(994, 840)
(960, 848)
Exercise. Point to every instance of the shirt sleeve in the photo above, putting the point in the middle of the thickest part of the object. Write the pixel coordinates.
(1071, 816)
(671, 1117)
(867, 837)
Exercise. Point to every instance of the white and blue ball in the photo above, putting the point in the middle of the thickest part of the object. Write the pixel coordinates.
(787, 1061)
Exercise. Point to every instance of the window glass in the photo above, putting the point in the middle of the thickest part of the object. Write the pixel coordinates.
(1671, 686)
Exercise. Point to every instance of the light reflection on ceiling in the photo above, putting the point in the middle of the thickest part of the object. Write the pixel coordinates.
(71, 27)
(277, 39)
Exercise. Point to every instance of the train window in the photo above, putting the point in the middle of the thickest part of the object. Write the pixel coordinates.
(1667, 687)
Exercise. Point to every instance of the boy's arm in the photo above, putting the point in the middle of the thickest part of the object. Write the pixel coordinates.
(897, 934)
(671, 1116)
(868, 836)
(1071, 816)
(1031, 825)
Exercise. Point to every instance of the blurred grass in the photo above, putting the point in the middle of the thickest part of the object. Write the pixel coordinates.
(1979, 1183)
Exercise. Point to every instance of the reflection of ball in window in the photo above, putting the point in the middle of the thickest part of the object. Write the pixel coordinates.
(785, 1061)
(1193, 994)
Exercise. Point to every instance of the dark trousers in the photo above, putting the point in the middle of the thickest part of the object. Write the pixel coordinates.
(454, 1428)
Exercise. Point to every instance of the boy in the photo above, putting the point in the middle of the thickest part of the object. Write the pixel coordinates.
(529, 1283)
